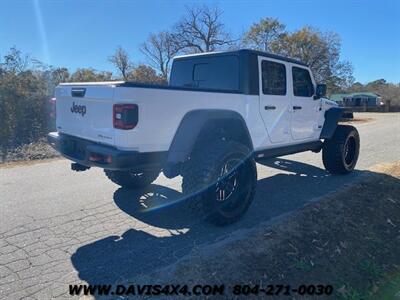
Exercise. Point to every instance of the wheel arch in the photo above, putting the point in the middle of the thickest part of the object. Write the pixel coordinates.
(198, 123)
(332, 117)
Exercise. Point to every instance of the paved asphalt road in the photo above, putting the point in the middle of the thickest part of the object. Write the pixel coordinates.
(58, 227)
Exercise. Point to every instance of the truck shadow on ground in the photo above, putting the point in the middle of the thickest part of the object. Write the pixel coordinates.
(170, 230)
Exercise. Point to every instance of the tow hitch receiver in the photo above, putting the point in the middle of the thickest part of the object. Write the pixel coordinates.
(78, 167)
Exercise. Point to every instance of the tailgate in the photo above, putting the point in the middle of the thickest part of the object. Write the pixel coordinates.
(86, 111)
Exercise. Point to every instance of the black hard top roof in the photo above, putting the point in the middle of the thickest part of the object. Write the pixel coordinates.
(244, 51)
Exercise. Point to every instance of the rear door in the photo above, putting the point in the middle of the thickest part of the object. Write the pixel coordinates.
(274, 99)
(86, 111)
(304, 108)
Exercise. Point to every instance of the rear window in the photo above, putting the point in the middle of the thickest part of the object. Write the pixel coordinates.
(215, 73)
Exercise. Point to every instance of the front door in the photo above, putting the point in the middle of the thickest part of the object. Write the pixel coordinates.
(274, 99)
(305, 109)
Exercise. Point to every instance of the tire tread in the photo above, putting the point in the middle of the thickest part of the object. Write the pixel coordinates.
(124, 179)
(333, 148)
(199, 171)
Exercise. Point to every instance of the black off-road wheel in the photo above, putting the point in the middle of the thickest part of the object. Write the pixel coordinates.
(223, 179)
(132, 179)
(340, 153)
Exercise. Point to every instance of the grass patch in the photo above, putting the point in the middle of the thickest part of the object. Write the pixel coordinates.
(39, 150)
(388, 289)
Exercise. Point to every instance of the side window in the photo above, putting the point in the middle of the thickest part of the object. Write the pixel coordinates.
(302, 84)
(273, 78)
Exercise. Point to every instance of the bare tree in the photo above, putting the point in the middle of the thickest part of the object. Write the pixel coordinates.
(201, 30)
(15, 61)
(159, 49)
(120, 59)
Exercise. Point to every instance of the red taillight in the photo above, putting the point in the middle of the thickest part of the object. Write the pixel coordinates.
(100, 158)
(53, 102)
(125, 116)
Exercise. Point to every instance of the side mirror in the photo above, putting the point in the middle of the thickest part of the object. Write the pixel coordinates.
(320, 91)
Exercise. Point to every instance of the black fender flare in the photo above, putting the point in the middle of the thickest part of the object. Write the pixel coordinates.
(189, 130)
(332, 117)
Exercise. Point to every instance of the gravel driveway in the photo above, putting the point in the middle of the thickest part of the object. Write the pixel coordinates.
(58, 227)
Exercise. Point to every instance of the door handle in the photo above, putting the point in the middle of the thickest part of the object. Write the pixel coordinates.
(297, 107)
(269, 107)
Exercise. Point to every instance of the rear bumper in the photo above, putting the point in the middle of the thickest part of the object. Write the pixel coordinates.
(92, 154)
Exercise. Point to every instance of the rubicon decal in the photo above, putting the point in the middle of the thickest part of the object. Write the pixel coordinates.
(78, 109)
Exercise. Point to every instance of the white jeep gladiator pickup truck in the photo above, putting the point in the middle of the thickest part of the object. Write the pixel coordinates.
(220, 113)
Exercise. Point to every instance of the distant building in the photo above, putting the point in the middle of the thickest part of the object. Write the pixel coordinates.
(357, 99)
